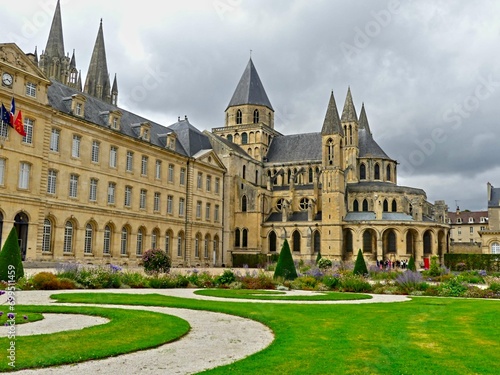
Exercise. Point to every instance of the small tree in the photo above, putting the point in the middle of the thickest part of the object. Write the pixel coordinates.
(411, 264)
(156, 261)
(360, 265)
(11, 264)
(285, 267)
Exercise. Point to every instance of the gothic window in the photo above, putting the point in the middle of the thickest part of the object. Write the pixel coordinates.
(296, 241)
(377, 172)
(279, 204)
(244, 238)
(311, 175)
(394, 206)
(317, 242)
(236, 237)
(386, 205)
(256, 116)
(244, 138)
(244, 203)
(355, 206)
(367, 242)
(330, 150)
(238, 117)
(348, 241)
(350, 134)
(229, 137)
(391, 242)
(304, 204)
(388, 173)
(362, 172)
(427, 243)
(365, 205)
(244, 172)
(272, 242)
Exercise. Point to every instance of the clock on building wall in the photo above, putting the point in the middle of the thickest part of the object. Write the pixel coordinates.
(7, 79)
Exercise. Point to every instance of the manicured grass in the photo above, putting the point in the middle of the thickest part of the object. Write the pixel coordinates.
(20, 317)
(127, 331)
(423, 336)
(278, 295)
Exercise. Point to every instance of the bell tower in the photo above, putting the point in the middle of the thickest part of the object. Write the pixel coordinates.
(350, 126)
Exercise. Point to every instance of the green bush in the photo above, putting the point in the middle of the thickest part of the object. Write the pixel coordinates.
(495, 287)
(134, 279)
(324, 263)
(434, 269)
(453, 288)
(462, 262)
(260, 281)
(354, 283)
(11, 264)
(285, 267)
(360, 265)
(156, 261)
(226, 278)
(332, 282)
(411, 264)
(305, 283)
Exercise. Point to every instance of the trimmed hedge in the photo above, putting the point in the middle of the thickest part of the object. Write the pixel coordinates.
(487, 262)
(253, 260)
(11, 264)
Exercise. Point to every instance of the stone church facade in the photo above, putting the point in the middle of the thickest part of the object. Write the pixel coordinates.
(94, 183)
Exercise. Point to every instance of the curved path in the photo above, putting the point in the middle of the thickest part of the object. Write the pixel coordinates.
(215, 339)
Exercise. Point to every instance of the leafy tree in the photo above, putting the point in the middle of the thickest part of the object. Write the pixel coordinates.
(411, 264)
(156, 261)
(360, 265)
(285, 267)
(11, 264)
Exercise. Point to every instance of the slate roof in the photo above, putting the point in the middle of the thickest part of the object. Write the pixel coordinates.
(384, 187)
(233, 146)
(295, 216)
(495, 197)
(370, 216)
(189, 139)
(465, 215)
(294, 148)
(368, 148)
(250, 89)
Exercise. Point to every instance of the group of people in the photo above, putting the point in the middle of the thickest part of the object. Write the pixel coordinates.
(391, 264)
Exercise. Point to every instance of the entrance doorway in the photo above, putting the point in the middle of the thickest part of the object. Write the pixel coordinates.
(21, 225)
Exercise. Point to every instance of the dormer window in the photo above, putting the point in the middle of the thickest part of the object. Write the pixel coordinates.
(114, 118)
(145, 131)
(482, 220)
(78, 109)
(78, 105)
(459, 221)
(471, 219)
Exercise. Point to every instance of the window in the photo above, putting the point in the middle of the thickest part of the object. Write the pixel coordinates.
(181, 206)
(388, 173)
(54, 140)
(156, 202)
(355, 206)
(95, 152)
(167, 242)
(51, 181)
(198, 210)
(482, 228)
(75, 149)
(87, 248)
(256, 116)
(330, 147)
(128, 196)
(199, 183)
(142, 199)
(78, 109)
(24, 175)
(154, 239)
(238, 117)
(244, 138)
(124, 241)
(106, 248)
(304, 204)
(197, 246)
(244, 203)
(111, 193)
(47, 236)
(158, 169)
(217, 185)
(182, 176)
(471, 230)
(236, 237)
(68, 237)
(170, 202)
(365, 205)
(113, 152)
(459, 230)
(179, 245)
(495, 248)
(279, 204)
(471, 219)
(140, 241)
(205, 251)
(129, 162)
(73, 186)
(229, 137)
(93, 190)
(216, 213)
(459, 220)
(144, 165)
(296, 241)
(244, 239)
(209, 183)
(28, 129)
(377, 172)
(207, 211)
(170, 173)
(31, 89)
(482, 220)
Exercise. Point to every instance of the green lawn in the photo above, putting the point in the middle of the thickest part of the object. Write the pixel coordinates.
(278, 295)
(127, 331)
(423, 336)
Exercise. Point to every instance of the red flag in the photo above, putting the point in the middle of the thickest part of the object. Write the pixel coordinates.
(18, 124)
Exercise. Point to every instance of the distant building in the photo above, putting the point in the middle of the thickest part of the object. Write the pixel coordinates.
(465, 230)
(490, 237)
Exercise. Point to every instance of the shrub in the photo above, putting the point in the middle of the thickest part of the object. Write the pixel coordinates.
(67, 270)
(49, 281)
(360, 265)
(452, 288)
(285, 267)
(156, 261)
(331, 281)
(409, 281)
(324, 263)
(354, 283)
(260, 281)
(11, 264)
(134, 279)
(318, 257)
(495, 287)
(411, 264)
(460, 266)
(434, 269)
(226, 278)
(304, 283)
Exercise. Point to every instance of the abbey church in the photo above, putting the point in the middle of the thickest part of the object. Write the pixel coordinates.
(91, 182)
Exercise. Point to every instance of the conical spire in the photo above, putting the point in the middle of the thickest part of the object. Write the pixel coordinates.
(36, 56)
(363, 120)
(79, 81)
(72, 63)
(250, 89)
(331, 125)
(97, 81)
(349, 112)
(55, 43)
(114, 92)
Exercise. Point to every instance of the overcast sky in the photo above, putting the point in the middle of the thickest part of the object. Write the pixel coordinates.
(428, 72)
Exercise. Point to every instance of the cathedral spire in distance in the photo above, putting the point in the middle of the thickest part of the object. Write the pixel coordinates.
(363, 120)
(55, 43)
(331, 125)
(349, 112)
(97, 81)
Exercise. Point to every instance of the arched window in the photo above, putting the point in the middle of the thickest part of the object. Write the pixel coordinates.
(350, 134)
(394, 207)
(495, 248)
(272, 242)
(238, 117)
(330, 151)
(124, 241)
(106, 246)
(311, 175)
(244, 238)
(367, 242)
(205, 248)
(244, 138)
(348, 246)
(377, 171)
(140, 241)
(362, 172)
(197, 243)
(365, 205)
(229, 137)
(386, 205)
(236, 237)
(47, 236)
(256, 116)
(317, 242)
(244, 171)
(279, 204)
(391, 242)
(168, 241)
(89, 230)
(427, 243)
(68, 237)
(244, 203)
(180, 243)
(388, 173)
(154, 239)
(296, 241)
(355, 206)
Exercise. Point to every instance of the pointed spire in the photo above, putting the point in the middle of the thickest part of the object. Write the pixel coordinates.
(363, 120)
(349, 112)
(36, 56)
(97, 81)
(250, 89)
(79, 81)
(331, 125)
(55, 43)
(72, 63)
(114, 89)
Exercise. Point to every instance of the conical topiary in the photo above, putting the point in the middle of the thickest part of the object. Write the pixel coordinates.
(285, 267)
(360, 265)
(411, 264)
(11, 264)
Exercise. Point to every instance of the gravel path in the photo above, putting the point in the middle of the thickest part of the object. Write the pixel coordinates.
(215, 339)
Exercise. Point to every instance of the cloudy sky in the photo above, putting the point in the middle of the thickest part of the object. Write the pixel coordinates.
(428, 72)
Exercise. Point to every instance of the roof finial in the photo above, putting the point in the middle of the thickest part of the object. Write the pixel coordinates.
(250, 53)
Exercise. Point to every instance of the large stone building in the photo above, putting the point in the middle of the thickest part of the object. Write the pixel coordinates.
(465, 230)
(490, 236)
(93, 182)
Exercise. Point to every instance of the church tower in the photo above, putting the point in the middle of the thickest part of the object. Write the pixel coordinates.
(350, 126)
(249, 115)
(332, 180)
